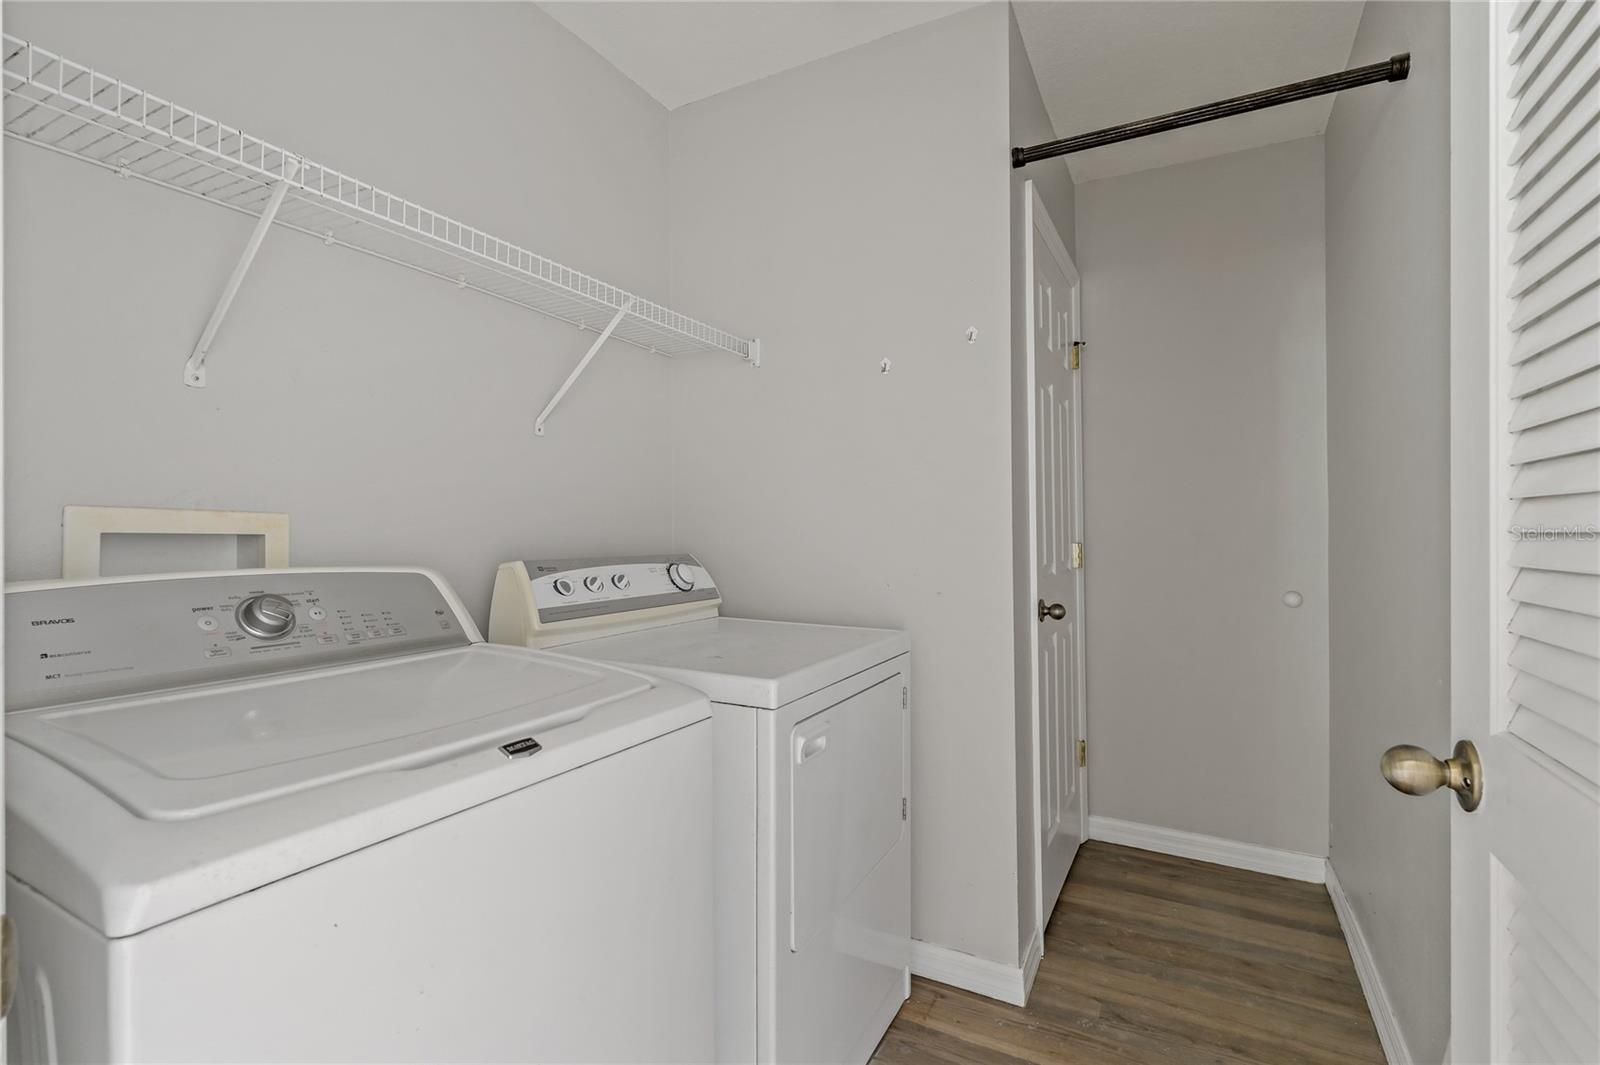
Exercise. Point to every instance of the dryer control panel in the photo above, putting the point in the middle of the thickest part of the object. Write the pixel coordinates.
(71, 641)
(543, 603)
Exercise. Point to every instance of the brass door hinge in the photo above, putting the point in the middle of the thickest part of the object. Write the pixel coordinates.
(1077, 555)
(1074, 354)
(1083, 752)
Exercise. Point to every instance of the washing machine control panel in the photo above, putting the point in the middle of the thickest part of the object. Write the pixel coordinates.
(121, 637)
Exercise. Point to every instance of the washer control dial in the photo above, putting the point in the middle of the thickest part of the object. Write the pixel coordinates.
(620, 581)
(594, 584)
(680, 577)
(266, 617)
(562, 586)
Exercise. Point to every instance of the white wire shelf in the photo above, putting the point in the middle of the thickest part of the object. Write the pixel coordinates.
(66, 107)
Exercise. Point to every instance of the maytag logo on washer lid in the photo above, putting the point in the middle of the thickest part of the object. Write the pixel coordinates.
(520, 748)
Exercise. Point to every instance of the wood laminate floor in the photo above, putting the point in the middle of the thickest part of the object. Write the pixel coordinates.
(1153, 959)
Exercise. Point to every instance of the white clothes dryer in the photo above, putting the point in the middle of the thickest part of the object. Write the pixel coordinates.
(811, 728)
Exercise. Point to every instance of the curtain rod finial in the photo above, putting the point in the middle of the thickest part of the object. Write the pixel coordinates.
(1400, 66)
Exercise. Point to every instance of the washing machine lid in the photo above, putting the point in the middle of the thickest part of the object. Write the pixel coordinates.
(198, 752)
(134, 813)
(764, 664)
(205, 777)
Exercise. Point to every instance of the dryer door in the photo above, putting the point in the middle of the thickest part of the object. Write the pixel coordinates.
(846, 787)
(841, 945)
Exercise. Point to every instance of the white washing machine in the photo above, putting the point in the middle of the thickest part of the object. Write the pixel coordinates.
(811, 724)
(308, 815)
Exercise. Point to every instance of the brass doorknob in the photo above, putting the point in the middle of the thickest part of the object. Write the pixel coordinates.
(1053, 611)
(1416, 772)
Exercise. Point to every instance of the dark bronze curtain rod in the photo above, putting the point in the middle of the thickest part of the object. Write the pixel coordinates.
(1396, 68)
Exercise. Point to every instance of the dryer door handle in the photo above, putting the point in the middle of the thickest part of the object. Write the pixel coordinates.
(809, 747)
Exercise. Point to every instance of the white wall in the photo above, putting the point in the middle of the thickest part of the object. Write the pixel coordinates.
(1030, 124)
(853, 210)
(1206, 496)
(1388, 482)
(849, 211)
(390, 414)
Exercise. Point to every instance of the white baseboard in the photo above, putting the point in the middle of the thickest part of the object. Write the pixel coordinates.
(945, 965)
(1292, 864)
(1030, 964)
(1378, 1002)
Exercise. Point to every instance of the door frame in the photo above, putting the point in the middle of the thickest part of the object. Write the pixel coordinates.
(1474, 218)
(4, 1026)
(1033, 211)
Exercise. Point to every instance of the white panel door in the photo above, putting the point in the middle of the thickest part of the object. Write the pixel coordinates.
(1056, 478)
(1525, 920)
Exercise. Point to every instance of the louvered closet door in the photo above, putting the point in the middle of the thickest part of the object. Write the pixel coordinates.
(1527, 864)
(1552, 254)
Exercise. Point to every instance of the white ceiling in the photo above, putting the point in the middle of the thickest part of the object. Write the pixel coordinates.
(686, 51)
(1098, 62)
(1102, 63)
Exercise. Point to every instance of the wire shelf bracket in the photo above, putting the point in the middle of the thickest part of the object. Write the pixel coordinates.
(66, 107)
(577, 371)
(194, 371)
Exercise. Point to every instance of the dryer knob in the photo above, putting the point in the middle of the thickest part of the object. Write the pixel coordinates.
(266, 617)
(681, 578)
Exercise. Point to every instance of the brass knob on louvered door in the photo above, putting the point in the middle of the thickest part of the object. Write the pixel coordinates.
(1416, 772)
(1052, 611)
